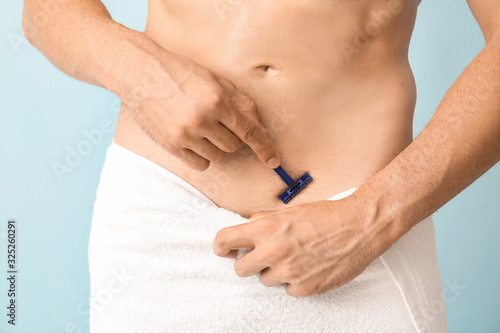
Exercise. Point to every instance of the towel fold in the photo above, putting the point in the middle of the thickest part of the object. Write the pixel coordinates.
(152, 268)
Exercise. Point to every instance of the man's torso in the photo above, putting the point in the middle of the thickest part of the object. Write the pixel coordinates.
(330, 78)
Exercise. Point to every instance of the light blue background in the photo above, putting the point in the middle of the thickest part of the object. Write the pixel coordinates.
(42, 111)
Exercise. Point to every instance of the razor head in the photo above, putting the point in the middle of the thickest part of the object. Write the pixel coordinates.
(295, 187)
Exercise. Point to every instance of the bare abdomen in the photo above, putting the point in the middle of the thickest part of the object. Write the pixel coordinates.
(339, 118)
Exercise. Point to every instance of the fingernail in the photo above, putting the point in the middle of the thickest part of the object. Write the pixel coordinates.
(273, 163)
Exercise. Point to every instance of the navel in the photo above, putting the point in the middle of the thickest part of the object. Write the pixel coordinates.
(266, 68)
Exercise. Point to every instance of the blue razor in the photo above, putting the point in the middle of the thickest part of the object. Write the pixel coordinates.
(294, 187)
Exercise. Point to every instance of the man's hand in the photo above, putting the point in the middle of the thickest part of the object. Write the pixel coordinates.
(197, 115)
(313, 247)
(192, 113)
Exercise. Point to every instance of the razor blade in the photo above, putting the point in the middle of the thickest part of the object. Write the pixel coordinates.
(294, 186)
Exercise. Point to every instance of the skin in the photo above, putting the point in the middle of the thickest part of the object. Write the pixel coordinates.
(199, 79)
(319, 114)
(335, 97)
(317, 247)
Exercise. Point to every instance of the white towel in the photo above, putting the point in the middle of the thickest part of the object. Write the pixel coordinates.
(152, 268)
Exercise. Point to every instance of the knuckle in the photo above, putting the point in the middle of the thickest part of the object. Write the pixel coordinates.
(250, 133)
(178, 134)
(266, 149)
(251, 106)
(264, 281)
(231, 150)
(291, 272)
(220, 238)
(233, 147)
(201, 166)
(213, 99)
(194, 120)
(238, 270)
(197, 163)
(303, 290)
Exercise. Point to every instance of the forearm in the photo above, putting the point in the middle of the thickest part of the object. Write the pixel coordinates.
(81, 39)
(460, 143)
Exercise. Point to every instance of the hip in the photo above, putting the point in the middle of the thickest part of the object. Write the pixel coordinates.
(152, 267)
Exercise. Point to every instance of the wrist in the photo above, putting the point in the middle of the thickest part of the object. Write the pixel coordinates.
(382, 218)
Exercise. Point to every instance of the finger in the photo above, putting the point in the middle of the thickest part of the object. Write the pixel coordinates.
(268, 279)
(228, 86)
(232, 238)
(252, 134)
(224, 139)
(250, 264)
(206, 149)
(247, 105)
(231, 254)
(262, 214)
(242, 101)
(194, 160)
(187, 156)
(298, 291)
